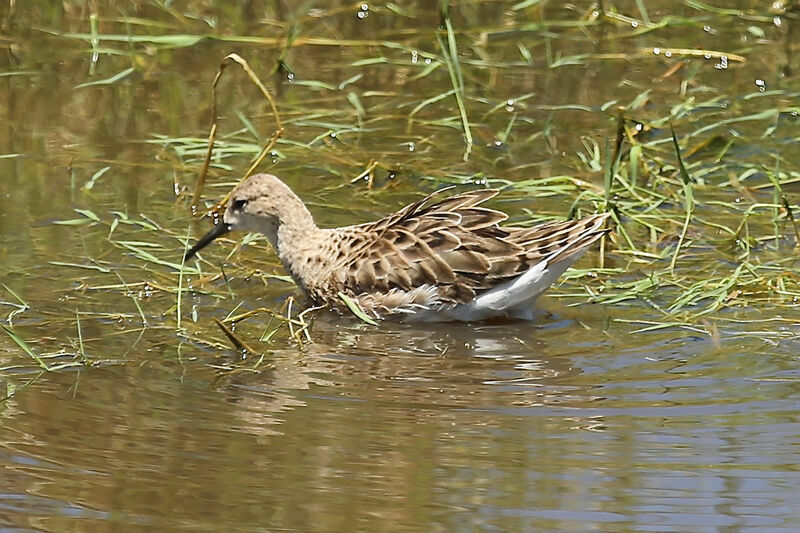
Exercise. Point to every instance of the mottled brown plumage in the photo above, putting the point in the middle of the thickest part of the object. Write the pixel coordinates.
(442, 259)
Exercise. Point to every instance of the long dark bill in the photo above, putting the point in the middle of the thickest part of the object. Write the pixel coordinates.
(217, 231)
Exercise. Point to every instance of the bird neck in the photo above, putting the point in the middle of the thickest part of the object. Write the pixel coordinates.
(298, 241)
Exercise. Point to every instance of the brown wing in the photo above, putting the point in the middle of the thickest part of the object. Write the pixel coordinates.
(453, 244)
(557, 241)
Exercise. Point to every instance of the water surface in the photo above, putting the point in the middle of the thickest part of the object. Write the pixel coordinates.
(576, 421)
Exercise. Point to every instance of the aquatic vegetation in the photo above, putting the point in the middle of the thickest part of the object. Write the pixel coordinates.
(691, 148)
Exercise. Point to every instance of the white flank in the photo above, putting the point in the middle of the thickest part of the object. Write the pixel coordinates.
(513, 299)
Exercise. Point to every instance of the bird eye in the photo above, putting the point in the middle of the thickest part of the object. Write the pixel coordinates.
(238, 205)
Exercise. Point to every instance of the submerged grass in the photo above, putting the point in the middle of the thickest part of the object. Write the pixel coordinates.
(19, 341)
(706, 232)
(642, 186)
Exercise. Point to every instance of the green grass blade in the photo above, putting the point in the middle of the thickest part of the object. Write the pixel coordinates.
(356, 309)
(688, 199)
(108, 81)
(450, 53)
(24, 345)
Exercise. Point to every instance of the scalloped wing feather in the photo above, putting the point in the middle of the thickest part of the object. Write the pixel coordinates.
(453, 249)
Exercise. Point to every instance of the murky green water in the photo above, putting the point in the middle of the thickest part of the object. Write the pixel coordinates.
(577, 421)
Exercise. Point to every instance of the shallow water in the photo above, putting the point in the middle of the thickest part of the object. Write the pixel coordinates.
(575, 421)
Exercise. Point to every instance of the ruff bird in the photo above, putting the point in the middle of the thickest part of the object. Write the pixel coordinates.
(440, 258)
